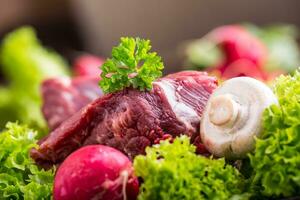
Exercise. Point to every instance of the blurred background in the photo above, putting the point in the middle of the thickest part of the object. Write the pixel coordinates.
(72, 26)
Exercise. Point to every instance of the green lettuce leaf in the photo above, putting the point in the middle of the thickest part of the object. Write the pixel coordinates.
(7, 109)
(203, 53)
(25, 63)
(174, 171)
(20, 178)
(276, 161)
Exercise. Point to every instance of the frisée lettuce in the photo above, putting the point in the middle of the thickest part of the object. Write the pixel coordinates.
(174, 171)
(20, 178)
(276, 159)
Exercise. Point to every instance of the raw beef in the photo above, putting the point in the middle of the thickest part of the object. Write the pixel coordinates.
(63, 97)
(130, 120)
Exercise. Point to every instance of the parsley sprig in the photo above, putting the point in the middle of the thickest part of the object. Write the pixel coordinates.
(131, 65)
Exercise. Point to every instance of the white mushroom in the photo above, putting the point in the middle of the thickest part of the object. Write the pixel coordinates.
(233, 116)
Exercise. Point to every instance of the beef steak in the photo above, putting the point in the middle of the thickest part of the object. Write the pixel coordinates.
(62, 97)
(130, 120)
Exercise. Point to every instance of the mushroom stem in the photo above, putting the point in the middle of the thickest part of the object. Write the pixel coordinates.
(223, 110)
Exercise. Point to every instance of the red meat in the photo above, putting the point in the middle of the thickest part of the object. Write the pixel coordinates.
(130, 120)
(62, 97)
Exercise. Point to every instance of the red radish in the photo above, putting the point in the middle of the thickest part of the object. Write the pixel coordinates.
(241, 51)
(242, 67)
(238, 43)
(245, 55)
(96, 172)
(88, 65)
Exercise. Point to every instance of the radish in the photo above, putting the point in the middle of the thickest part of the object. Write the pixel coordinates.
(96, 172)
(238, 43)
(88, 65)
(233, 51)
(242, 67)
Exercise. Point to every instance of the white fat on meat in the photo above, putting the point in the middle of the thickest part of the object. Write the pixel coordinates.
(184, 113)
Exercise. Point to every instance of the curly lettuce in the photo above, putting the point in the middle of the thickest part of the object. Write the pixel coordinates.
(276, 161)
(174, 171)
(25, 63)
(20, 178)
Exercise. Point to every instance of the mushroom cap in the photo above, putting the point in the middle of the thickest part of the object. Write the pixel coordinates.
(233, 115)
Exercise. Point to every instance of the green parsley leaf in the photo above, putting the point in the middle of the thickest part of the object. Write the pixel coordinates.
(174, 171)
(131, 65)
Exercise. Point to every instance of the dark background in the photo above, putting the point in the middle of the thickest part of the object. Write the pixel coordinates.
(72, 26)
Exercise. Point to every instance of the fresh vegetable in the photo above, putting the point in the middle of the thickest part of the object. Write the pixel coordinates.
(25, 63)
(96, 172)
(282, 45)
(202, 53)
(233, 116)
(246, 50)
(88, 65)
(20, 178)
(174, 171)
(276, 159)
(237, 43)
(230, 46)
(131, 65)
(242, 67)
(7, 109)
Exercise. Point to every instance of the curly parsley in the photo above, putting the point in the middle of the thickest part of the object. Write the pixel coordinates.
(131, 65)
